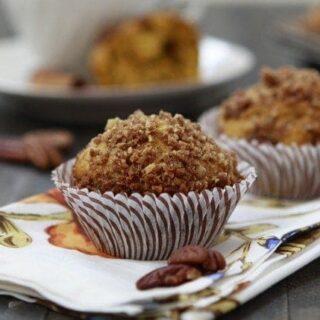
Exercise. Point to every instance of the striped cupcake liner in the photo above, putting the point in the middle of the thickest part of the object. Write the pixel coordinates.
(285, 172)
(150, 227)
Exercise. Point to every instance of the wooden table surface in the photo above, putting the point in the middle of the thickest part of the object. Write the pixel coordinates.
(298, 296)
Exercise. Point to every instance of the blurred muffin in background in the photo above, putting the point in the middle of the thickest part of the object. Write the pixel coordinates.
(275, 126)
(159, 47)
(312, 19)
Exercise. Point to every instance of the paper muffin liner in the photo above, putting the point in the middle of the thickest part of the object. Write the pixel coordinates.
(284, 171)
(150, 227)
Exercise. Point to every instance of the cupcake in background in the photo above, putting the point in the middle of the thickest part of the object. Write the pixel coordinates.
(159, 47)
(275, 126)
(283, 108)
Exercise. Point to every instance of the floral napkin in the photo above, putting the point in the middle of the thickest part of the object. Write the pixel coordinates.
(46, 258)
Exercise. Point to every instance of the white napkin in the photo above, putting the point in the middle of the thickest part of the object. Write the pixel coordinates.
(34, 260)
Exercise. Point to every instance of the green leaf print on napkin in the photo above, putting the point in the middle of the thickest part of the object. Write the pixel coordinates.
(11, 235)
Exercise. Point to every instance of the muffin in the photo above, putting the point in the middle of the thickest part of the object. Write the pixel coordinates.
(150, 184)
(275, 126)
(283, 108)
(165, 153)
(159, 47)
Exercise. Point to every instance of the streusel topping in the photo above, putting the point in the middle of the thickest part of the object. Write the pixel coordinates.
(283, 107)
(157, 153)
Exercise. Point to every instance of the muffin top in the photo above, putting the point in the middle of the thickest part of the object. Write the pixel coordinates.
(153, 154)
(284, 107)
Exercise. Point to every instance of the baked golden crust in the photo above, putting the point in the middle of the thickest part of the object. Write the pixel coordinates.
(284, 107)
(156, 154)
(159, 47)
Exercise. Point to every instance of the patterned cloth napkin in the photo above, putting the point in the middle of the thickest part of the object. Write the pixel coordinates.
(45, 257)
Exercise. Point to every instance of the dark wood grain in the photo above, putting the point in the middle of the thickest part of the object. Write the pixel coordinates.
(296, 297)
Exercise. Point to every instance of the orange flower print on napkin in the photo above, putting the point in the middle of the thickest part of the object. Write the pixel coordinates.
(69, 236)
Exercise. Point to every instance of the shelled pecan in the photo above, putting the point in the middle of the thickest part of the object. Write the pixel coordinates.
(57, 79)
(42, 148)
(169, 276)
(185, 264)
(209, 260)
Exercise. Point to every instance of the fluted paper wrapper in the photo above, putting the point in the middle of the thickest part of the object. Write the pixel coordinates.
(150, 227)
(284, 171)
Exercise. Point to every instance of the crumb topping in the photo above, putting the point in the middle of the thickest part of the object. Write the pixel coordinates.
(157, 153)
(283, 107)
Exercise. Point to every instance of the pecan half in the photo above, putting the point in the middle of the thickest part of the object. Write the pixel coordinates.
(57, 79)
(42, 148)
(169, 276)
(205, 259)
(185, 264)
(215, 261)
(194, 255)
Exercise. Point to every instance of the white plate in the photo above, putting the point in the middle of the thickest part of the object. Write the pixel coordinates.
(221, 63)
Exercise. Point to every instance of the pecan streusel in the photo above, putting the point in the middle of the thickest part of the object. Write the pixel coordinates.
(284, 107)
(157, 153)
